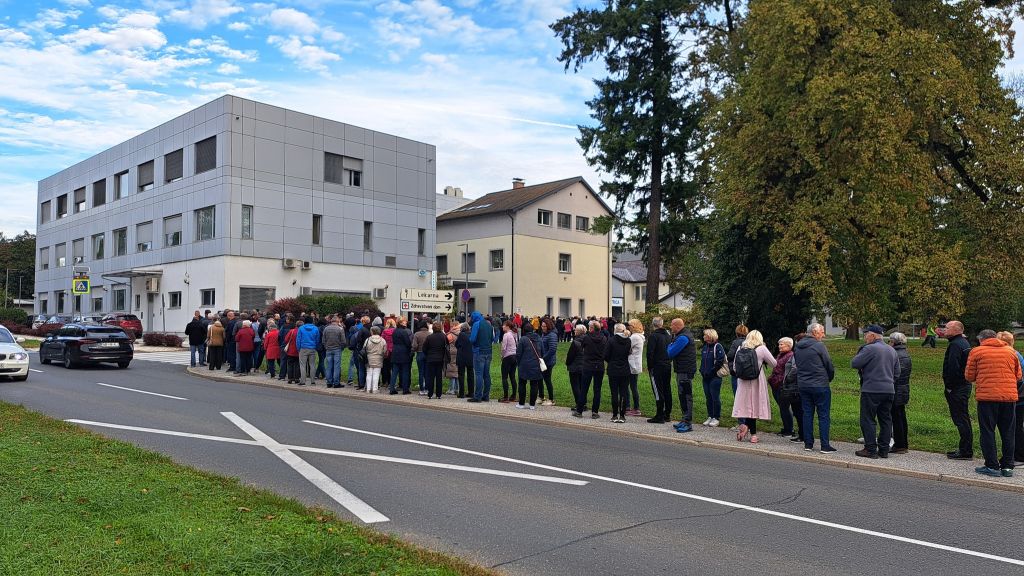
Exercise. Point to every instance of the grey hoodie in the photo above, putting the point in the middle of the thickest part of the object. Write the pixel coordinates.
(814, 367)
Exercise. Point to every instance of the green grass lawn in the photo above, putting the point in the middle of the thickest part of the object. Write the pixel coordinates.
(74, 503)
(927, 413)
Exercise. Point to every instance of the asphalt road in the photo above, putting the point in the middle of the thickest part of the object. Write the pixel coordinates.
(596, 503)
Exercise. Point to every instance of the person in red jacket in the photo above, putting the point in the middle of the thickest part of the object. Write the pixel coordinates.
(272, 348)
(245, 343)
(292, 353)
(995, 371)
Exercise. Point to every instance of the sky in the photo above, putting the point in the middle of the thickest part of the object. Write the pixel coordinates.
(480, 80)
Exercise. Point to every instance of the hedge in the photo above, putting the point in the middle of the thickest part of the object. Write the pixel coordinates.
(15, 315)
(161, 339)
(324, 305)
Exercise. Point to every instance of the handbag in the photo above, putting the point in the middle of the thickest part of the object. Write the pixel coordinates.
(543, 364)
(723, 370)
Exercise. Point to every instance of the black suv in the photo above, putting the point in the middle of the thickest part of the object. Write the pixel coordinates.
(74, 344)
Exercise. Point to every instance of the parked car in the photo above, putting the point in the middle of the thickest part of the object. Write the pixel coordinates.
(13, 358)
(38, 320)
(59, 320)
(130, 323)
(75, 344)
(89, 319)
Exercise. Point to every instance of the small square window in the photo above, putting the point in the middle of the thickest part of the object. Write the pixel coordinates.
(389, 261)
(497, 259)
(583, 224)
(174, 299)
(172, 230)
(97, 304)
(208, 297)
(564, 220)
(544, 217)
(469, 263)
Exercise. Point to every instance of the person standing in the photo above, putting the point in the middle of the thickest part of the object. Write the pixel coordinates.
(617, 356)
(549, 351)
(376, 348)
(401, 358)
(1018, 424)
(282, 335)
(216, 345)
(245, 345)
(929, 338)
(271, 348)
(879, 367)
(594, 344)
(814, 373)
(659, 366)
(741, 335)
(751, 402)
(481, 336)
(509, 347)
(712, 358)
(291, 352)
(334, 342)
(900, 430)
(419, 338)
(351, 332)
(196, 332)
(528, 358)
(574, 364)
(789, 407)
(636, 365)
(435, 356)
(230, 356)
(307, 339)
(684, 359)
(995, 369)
(958, 389)
(362, 335)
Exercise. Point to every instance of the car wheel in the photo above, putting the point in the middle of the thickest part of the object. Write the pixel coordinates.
(20, 378)
(122, 365)
(67, 361)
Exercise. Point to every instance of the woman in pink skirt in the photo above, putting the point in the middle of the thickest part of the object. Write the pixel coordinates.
(752, 394)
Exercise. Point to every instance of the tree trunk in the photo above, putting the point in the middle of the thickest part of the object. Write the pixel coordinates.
(853, 331)
(657, 158)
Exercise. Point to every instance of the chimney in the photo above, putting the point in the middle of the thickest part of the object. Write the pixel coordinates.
(518, 183)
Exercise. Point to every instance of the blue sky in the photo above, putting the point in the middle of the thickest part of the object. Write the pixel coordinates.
(478, 79)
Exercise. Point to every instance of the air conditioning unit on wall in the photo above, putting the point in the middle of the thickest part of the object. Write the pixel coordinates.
(152, 284)
(306, 264)
(380, 293)
(290, 263)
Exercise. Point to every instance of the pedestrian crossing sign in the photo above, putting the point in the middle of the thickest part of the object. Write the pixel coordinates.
(80, 286)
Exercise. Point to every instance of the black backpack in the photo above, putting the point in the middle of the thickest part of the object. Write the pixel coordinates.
(790, 389)
(746, 364)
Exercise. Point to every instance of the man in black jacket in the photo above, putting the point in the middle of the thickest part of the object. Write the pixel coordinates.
(660, 367)
(229, 340)
(958, 389)
(594, 344)
(683, 353)
(196, 332)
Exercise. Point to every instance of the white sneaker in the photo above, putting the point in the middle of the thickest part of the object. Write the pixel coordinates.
(707, 422)
(532, 407)
(547, 403)
(713, 423)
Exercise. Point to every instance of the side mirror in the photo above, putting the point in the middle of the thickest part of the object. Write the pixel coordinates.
(20, 339)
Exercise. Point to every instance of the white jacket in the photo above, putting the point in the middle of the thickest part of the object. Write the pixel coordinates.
(636, 352)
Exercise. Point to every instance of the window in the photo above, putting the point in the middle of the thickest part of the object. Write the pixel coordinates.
(367, 236)
(564, 307)
(442, 264)
(45, 213)
(60, 301)
(544, 217)
(317, 229)
(565, 263)
(78, 251)
(497, 259)
(205, 229)
(62, 206)
(551, 302)
(138, 301)
(97, 304)
(206, 155)
(583, 224)
(145, 176)
(247, 222)
(144, 237)
(44, 258)
(421, 242)
(99, 193)
(564, 220)
(62, 256)
(390, 261)
(255, 298)
(120, 242)
(120, 298)
(208, 297)
(469, 263)
(120, 185)
(174, 299)
(343, 170)
(43, 306)
(172, 230)
(354, 177)
(582, 308)
(640, 293)
(76, 303)
(497, 305)
(79, 200)
(174, 166)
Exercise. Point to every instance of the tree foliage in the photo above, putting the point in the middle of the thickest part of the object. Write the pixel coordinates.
(18, 261)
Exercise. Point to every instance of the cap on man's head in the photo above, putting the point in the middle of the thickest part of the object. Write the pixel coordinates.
(876, 329)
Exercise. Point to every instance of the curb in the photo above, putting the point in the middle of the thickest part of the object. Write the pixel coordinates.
(938, 477)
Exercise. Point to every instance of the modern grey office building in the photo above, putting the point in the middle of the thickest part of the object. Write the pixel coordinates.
(232, 205)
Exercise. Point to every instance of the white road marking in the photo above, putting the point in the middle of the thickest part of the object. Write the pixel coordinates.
(699, 498)
(164, 432)
(34, 370)
(141, 391)
(179, 358)
(350, 501)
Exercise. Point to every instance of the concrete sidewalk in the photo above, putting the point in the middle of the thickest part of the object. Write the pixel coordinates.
(925, 465)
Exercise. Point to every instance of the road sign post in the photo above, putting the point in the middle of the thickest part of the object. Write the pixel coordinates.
(428, 295)
(426, 306)
(80, 285)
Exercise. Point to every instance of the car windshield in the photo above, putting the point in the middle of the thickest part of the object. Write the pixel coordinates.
(6, 337)
(105, 333)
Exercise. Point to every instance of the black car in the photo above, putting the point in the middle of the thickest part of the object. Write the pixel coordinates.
(74, 344)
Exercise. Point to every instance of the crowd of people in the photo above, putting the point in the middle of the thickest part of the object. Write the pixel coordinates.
(306, 347)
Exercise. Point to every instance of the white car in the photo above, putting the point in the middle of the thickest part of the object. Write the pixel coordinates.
(13, 358)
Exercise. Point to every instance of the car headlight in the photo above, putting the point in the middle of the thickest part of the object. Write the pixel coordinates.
(18, 356)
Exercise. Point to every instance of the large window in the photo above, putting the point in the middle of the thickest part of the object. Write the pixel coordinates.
(205, 228)
(367, 236)
(206, 154)
(45, 212)
(174, 166)
(120, 242)
(246, 222)
(544, 217)
(61, 255)
(61, 295)
(97, 246)
(120, 298)
(78, 251)
(145, 176)
(99, 193)
(469, 262)
(317, 229)
(208, 297)
(442, 263)
(340, 169)
(583, 224)
(172, 230)
(79, 200)
(564, 220)
(421, 242)
(497, 259)
(640, 293)
(565, 263)
(120, 185)
(44, 258)
(62, 206)
(144, 237)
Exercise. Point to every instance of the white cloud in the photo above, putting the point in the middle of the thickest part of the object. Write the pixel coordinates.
(218, 46)
(228, 69)
(440, 62)
(76, 3)
(9, 36)
(307, 56)
(238, 26)
(201, 13)
(131, 31)
(51, 18)
(292, 22)
(332, 36)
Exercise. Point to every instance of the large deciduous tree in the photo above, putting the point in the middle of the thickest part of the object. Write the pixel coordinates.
(17, 265)
(872, 144)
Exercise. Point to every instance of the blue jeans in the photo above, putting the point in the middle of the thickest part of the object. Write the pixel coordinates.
(361, 366)
(402, 373)
(352, 366)
(819, 399)
(421, 367)
(201, 349)
(333, 358)
(712, 394)
(482, 371)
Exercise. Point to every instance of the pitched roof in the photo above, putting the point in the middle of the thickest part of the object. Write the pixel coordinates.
(515, 199)
(632, 271)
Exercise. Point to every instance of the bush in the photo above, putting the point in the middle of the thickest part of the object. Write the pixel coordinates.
(15, 315)
(324, 305)
(19, 329)
(161, 339)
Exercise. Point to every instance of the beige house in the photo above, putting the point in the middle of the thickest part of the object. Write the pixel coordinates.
(529, 250)
(629, 288)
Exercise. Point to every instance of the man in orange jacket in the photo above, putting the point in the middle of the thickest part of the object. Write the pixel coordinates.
(995, 370)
